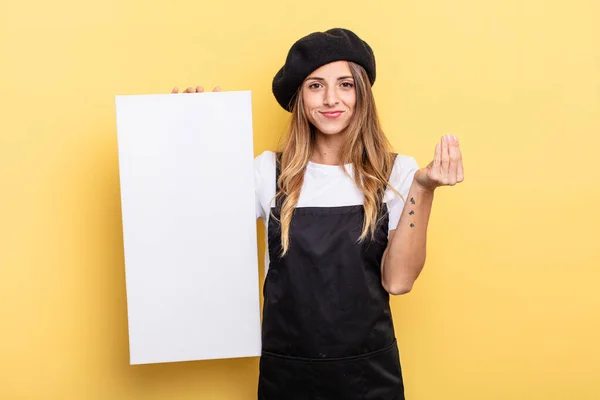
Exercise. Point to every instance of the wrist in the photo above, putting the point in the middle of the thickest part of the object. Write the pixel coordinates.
(419, 187)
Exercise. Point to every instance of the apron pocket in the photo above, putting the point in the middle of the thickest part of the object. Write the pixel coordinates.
(372, 376)
(382, 375)
(283, 378)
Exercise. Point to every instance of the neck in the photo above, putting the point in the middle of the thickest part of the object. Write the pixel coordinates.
(326, 149)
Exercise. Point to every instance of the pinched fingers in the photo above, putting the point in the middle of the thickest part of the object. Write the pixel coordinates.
(454, 155)
(446, 169)
(436, 165)
(445, 165)
(460, 173)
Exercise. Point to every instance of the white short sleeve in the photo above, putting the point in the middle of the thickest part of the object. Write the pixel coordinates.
(264, 183)
(257, 185)
(401, 179)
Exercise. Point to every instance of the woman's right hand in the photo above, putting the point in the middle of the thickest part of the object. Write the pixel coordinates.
(197, 89)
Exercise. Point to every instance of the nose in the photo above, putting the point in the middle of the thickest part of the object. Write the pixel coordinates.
(331, 98)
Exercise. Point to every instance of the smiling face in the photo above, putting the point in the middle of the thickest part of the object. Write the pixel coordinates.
(329, 97)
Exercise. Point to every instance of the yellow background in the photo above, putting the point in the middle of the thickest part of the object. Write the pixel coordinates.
(508, 304)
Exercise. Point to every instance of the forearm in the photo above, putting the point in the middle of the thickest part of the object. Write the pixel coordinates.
(405, 255)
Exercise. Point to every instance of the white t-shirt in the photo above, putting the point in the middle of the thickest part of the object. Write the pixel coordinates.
(328, 186)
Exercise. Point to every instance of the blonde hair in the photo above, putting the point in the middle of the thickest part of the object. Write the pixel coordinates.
(366, 148)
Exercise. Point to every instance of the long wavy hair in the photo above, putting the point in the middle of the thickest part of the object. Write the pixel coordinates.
(365, 147)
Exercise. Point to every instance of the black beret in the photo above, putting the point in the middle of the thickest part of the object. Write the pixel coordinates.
(315, 50)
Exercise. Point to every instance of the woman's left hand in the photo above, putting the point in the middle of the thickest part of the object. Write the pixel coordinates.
(446, 169)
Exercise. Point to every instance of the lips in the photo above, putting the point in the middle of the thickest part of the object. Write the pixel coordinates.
(332, 114)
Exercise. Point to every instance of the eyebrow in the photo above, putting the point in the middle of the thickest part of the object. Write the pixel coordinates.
(316, 78)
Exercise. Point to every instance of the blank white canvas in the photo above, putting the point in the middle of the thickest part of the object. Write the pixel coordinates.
(189, 226)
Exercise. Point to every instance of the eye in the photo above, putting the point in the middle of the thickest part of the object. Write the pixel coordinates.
(347, 85)
(314, 85)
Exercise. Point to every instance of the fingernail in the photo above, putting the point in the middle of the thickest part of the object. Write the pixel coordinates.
(455, 139)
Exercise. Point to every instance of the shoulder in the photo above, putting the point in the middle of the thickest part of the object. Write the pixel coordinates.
(402, 176)
(266, 156)
(404, 165)
(264, 164)
(404, 160)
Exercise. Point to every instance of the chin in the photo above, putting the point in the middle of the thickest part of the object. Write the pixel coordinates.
(331, 129)
(330, 132)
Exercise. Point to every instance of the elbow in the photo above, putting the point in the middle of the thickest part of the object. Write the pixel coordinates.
(398, 279)
(398, 288)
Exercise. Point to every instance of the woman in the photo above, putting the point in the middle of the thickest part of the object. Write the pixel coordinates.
(346, 227)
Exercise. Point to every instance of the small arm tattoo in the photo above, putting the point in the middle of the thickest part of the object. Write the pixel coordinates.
(411, 213)
(412, 225)
(412, 200)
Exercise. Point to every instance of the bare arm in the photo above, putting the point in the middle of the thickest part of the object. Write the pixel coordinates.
(404, 257)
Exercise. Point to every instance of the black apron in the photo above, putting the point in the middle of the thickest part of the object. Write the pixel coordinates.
(327, 331)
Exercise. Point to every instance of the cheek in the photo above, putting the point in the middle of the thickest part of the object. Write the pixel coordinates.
(350, 100)
(309, 102)
(308, 114)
